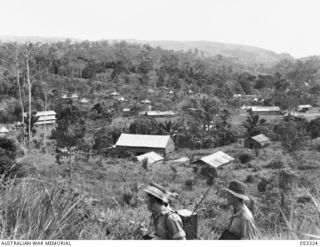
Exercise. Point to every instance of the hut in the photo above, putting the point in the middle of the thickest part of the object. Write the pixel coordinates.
(257, 142)
(303, 108)
(115, 94)
(216, 160)
(74, 96)
(151, 157)
(140, 144)
(3, 131)
(157, 114)
(266, 110)
(213, 161)
(84, 101)
(45, 117)
(146, 101)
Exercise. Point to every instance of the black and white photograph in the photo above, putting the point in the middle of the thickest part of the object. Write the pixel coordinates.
(159, 120)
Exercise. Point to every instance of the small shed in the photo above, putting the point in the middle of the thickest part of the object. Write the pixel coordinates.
(266, 110)
(303, 108)
(115, 94)
(258, 141)
(190, 91)
(3, 131)
(121, 98)
(45, 117)
(84, 101)
(126, 110)
(214, 161)
(152, 157)
(157, 114)
(74, 96)
(141, 144)
(146, 101)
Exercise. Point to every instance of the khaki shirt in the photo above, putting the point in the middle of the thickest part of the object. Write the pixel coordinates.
(167, 225)
(242, 224)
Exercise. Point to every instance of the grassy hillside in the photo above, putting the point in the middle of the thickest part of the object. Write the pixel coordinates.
(99, 198)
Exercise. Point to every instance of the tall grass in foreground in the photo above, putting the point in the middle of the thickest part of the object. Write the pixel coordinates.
(32, 209)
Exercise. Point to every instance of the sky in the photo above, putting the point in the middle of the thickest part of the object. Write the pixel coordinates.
(291, 26)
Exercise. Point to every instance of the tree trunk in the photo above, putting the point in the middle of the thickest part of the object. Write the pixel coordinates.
(29, 86)
(44, 135)
(21, 103)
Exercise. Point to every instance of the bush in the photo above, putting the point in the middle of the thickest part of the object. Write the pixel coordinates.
(245, 157)
(262, 185)
(189, 184)
(114, 153)
(145, 164)
(8, 155)
(250, 179)
(274, 164)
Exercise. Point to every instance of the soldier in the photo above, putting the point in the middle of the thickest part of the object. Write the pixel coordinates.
(241, 225)
(167, 223)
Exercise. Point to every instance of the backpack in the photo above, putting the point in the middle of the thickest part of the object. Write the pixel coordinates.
(189, 222)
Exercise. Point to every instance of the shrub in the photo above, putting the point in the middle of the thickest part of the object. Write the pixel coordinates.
(8, 155)
(250, 179)
(115, 153)
(145, 164)
(275, 164)
(189, 184)
(245, 157)
(262, 185)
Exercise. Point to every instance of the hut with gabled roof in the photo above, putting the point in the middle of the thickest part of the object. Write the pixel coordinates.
(140, 144)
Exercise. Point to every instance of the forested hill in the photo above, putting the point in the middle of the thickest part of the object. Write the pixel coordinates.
(241, 54)
(244, 54)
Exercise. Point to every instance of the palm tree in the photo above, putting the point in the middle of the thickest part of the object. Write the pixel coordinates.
(253, 124)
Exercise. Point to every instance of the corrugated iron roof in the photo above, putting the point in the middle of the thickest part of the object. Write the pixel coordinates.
(84, 101)
(43, 113)
(262, 139)
(151, 156)
(46, 118)
(305, 106)
(265, 108)
(133, 140)
(158, 113)
(45, 122)
(217, 159)
(146, 101)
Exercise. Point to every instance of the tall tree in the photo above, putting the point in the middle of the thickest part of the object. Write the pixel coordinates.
(28, 50)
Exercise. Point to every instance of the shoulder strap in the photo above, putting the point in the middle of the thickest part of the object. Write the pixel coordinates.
(166, 222)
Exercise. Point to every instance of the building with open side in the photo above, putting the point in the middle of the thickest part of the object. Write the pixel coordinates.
(45, 117)
(215, 161)
(257, 142)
